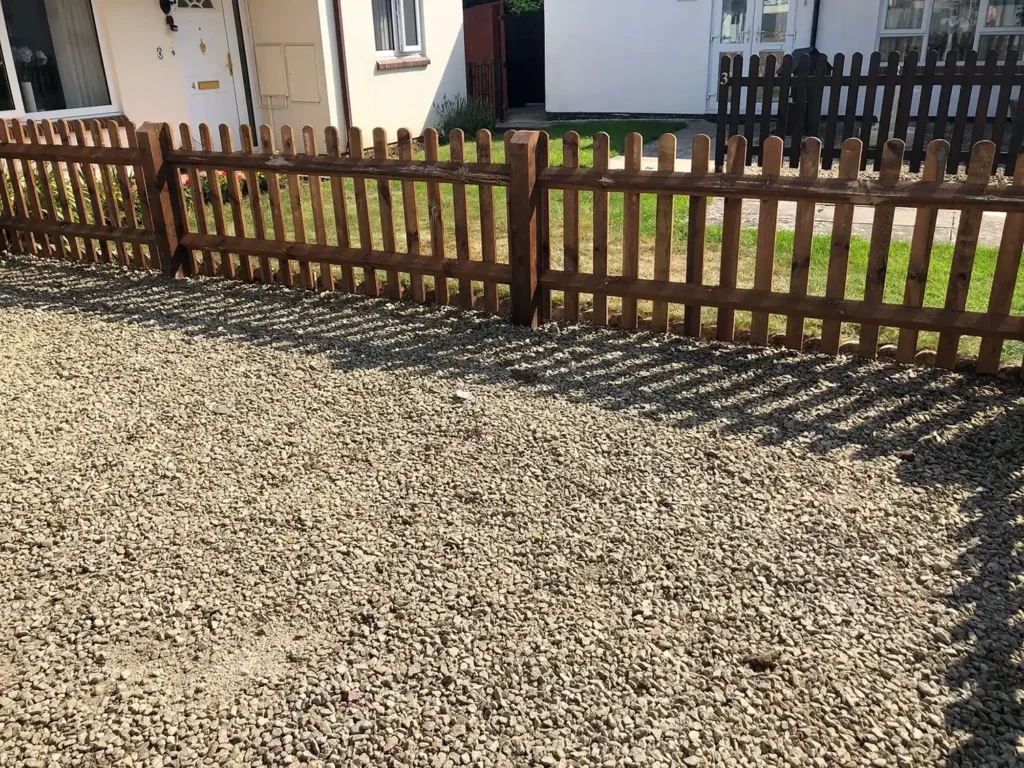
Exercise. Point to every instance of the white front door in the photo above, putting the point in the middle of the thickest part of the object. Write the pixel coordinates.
(209, 66)
(745, 27)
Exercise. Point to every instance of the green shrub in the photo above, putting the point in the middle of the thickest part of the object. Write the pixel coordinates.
(468, 114)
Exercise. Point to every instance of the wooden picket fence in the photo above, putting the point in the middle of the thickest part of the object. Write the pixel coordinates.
(874, 99)
(71, 191)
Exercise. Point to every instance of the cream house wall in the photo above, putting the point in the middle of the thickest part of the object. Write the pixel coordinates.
(403, 98)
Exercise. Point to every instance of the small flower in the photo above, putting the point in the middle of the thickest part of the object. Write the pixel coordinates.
(41, 58)
(23, 55)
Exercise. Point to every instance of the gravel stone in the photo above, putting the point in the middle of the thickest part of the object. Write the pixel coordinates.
(243, 525)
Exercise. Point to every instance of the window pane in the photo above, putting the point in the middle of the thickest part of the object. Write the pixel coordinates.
(952, 26)
(412, 30)
(56, 54)
(904, 14)
(903, 45)
(383, 26)
(1001, 43)
(774, 20)
(734, 21)
(1005, 13)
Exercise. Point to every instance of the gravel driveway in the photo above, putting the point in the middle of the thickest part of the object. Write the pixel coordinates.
(246, 526)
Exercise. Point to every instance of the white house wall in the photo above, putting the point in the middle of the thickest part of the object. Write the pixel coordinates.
(643, 56)
(403, 98)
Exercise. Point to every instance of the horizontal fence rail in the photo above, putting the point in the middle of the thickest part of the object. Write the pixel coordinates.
(874, 99)
(491, 224)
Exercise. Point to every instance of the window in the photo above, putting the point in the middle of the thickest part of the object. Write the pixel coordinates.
(1003, 27)
(951, 25)
(396, 26)
(52, 58)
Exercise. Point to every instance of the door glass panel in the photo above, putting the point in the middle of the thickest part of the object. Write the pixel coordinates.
(1001, 43)
(734, 21)
(57, 61)
(904, 14)
(774, 21)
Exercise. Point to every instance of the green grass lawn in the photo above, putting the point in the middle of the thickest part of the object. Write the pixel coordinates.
(935, 289)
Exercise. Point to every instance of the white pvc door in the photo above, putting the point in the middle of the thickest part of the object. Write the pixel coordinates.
(208, 64)
(745, 27)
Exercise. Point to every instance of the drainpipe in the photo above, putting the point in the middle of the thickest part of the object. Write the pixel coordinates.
(814, 23)
(343, 65)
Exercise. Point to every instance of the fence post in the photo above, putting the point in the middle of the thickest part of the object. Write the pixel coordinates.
(163, 195)
(524, 228)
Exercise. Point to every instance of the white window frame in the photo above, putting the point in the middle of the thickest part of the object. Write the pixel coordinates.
(107, 110)
(923, 31)
(398, 29)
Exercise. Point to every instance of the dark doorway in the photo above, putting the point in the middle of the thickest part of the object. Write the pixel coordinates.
(524, 51)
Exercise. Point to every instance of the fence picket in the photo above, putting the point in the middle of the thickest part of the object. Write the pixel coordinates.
(256, 202)
(964, 250)
(43, 174)
(297, 205)
(316, 202)
(832, 119)
(885, 122)
(878, 252)
(127, 206)
(749, 124)
(488, 234)
(387, 215)
(457, 145)
(921, 248)
(106, 176)
(571, 221)
(949, 69)
(923, 109)
(852, 96)
(767, 99)
(665, 218)
(631, 230)
(235, 203)
(803, 240)
(1002, 105)
(602, 148)
(75, 178)
(9, 239)
(988, 75)
(89, 171)
(737, 89)
(815, 96)
(970, 68)
(798, 116)
(1004, 280)
(696, 234)
(227, 266)
(767, 230)
(839, 254)
(410, 209)
(332, 138)
(732, 227)
(785, 78)
(544, 222)
(870, 96)
(907, 82)
(436, 215)
(35, 208)
(284, 266)
(198, 203)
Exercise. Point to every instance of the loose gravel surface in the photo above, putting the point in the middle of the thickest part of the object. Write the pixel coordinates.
(244, 526)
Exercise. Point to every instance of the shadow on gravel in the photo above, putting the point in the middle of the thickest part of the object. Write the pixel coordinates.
(944, 428)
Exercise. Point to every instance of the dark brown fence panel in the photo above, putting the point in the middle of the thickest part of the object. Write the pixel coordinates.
(910, 99)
